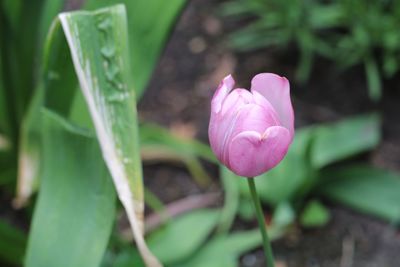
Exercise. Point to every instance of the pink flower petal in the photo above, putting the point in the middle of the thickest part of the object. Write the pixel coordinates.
(235, 100)
(250, 117)
(221, 122)
(215, 127)
(253, 117)
(276, 90)
(252, 153)
(221, 93)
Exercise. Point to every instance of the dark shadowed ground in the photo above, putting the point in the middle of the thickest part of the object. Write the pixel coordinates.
(197, 58)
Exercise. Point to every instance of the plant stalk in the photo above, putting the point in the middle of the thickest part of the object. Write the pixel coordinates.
(269, 257)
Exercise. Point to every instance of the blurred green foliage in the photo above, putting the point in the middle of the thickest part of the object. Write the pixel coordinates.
(347, 32)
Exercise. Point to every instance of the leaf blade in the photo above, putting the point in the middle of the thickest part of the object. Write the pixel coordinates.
(101, 63)
(366, 189)
(79, 199)
(345, 138)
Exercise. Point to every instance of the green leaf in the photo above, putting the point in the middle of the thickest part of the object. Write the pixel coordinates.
(183, 236)
(76, 205)
(102, 66)
(24, 51)
(221, 250)
(12, 10)
(49, 12)
(98, 44)
(179, 240)
(224, 250)
(56, 89)
(127, 258)
(314, 214)
(364, 188)
(140, 24)
(345, 138)
(150, 23)
(12, 243)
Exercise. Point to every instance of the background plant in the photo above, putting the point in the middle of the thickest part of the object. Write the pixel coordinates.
(347, 32)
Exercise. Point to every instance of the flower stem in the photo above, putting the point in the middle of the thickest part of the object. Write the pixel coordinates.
(261, 223)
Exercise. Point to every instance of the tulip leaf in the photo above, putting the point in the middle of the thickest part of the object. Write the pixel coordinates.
(337, 141)
(58, 80)
(11, 11)
(127, 258)
(76, 205)
(150, 23)
(102, 67)
(140, 24)
(364, 188)
(177, 241)
(186, 233)
(49, 12)
(57, 91)
(106, 100)
(224, 250)
(33, 20)
(221, 250)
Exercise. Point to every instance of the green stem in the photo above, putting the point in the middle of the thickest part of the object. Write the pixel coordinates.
(261, 223)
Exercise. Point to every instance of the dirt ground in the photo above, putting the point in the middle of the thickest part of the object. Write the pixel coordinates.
(194, 62)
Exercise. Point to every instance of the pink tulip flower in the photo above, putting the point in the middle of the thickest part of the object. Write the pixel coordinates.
(250, 131)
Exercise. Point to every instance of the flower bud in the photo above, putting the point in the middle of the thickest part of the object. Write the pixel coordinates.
(250, 131)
